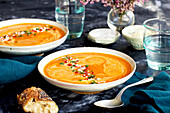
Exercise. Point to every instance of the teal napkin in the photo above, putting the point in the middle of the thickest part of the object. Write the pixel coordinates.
(151, 97)
(15, 68)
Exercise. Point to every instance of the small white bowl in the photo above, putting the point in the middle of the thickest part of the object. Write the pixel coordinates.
(103, 36)
(134, 35)
(27, 50)
(85, 88)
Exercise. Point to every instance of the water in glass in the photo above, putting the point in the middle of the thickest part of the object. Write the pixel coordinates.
(158, 51)
(72, 15)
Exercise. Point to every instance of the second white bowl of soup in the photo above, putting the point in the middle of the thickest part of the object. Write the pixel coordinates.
(30, 36)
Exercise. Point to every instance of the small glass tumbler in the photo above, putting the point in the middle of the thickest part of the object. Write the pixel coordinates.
(157, 43)
(70, 13)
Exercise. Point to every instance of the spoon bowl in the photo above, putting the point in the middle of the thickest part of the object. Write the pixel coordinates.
(116, 102)
(109, 103)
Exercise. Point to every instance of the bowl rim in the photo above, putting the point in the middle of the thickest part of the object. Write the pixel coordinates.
(122, 80)
(33, 19)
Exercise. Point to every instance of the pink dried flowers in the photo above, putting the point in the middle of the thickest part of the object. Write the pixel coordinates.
(119, 6)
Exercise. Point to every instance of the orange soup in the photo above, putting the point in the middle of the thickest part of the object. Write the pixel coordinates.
(87, 68)
(29, 34)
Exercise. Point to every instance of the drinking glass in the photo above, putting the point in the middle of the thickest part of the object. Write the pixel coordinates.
(70, 13)
(157, 43)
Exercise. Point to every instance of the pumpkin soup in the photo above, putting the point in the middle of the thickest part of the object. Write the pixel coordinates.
(29, 34)
(87, 68)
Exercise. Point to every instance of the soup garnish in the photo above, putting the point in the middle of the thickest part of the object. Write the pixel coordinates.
(82, 70)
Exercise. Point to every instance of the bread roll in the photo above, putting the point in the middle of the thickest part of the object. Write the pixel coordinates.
(35, 100)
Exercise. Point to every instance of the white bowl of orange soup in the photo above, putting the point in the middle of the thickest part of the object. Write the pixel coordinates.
(30, 36)
(87, 69)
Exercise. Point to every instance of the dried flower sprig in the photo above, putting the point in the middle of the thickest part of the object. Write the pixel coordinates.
(119, 6)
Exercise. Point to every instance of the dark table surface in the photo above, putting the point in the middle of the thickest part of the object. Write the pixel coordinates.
(96, 16)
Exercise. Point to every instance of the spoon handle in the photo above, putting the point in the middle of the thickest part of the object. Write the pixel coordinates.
(145, 80)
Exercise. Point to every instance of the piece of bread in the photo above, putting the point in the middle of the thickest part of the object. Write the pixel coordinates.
(35, 100)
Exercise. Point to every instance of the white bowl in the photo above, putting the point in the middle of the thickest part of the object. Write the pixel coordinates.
(103, 36)
(26, 50)
(85, 88)
(134, 35)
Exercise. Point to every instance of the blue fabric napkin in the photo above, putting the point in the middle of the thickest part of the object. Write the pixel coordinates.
(151, 97)
(15, 68)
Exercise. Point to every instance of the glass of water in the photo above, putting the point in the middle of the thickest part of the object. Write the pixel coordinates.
(157, 43)
(70, 13)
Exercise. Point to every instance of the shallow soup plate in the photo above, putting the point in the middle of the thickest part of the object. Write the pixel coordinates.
(85, 88)
(35, 49)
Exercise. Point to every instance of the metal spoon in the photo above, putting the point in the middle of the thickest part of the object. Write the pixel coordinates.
(116, 102)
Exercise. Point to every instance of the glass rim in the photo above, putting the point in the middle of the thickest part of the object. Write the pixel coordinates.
(151, 28)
